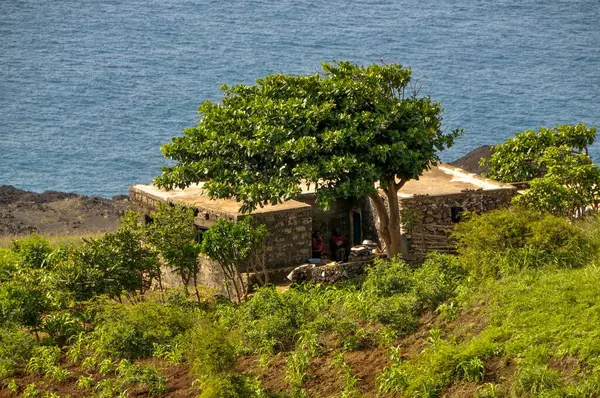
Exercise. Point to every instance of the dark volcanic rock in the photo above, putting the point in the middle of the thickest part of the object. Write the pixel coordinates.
(470, 162)
(57, 213)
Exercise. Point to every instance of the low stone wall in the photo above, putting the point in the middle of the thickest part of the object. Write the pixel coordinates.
(329, 274)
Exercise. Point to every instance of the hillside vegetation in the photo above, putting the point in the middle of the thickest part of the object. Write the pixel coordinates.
(515, 314)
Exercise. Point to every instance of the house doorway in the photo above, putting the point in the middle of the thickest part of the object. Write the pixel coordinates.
(356, 228)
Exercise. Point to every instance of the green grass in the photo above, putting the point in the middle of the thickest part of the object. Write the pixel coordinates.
(55, 240)
(544, 324)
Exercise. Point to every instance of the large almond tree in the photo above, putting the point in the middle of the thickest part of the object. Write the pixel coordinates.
(349, 131)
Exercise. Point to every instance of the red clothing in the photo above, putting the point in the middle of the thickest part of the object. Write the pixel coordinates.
(338, 241)
(318, 245)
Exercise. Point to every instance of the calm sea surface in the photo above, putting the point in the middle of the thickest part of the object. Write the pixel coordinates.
(89, 90)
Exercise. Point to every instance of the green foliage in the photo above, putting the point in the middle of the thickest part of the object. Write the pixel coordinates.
(237, 247)
(295, 369)
(210, 349)
(350, 381)
(388, 278)
(131, 332)
(84, 382)
(9, 263)
(340, 131)
(569, 187)
(350, 126)
(173, 235)
(15, 349)
(32, 250)
(23, 301)
(31, 391)
(533, 380)
(61, 326)
(437, 279)
(521, 158)
(503, 241)
(563, 179)
(117, 263)
(471, 369)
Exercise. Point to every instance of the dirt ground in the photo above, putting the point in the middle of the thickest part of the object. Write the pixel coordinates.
(57, 213)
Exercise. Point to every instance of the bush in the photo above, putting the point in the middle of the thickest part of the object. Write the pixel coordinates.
(131, 332)
(9, 263)
(503, 241)
(23, 301)
(388, 278)
(33, 250)
(271, 320)
(210, 349)
(15, 348)
(437, 279)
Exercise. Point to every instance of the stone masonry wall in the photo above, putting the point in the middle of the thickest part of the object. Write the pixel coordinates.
(290, 233)
(436, 212)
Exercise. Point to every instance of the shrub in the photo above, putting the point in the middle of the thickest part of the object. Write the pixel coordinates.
(33, 250)
(131, 332)
(388, 278)
(9, 263)
(399, 312)
(503, 241)
(437, 279)
(23, 301)
(15, 348)
(61, 326)
(270, 320)
(210, 349)
(534, 379)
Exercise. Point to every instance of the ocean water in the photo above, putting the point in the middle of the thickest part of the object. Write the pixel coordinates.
(89, 90)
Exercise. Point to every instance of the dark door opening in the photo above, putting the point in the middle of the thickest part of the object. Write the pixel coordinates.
(356, 228)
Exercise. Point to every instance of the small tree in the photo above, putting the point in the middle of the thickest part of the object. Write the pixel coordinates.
(570, 187)
(173, 234)
(351, 132)
(563, 179)
(521, 158)
(238, 248)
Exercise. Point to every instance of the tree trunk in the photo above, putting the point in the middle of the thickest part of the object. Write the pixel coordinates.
(389, 220)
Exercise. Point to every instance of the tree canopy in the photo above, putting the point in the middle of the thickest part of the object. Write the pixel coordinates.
(521, 158)
(340, 131)
(563, 180)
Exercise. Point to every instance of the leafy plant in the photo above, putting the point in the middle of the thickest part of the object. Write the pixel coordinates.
(31, 391)
(238, 248)
(471, 369)
(131, 332)
(84, 382)
(32, 250)
(173, 234)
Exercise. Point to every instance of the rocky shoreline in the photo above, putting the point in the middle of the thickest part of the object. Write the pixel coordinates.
(57, 213)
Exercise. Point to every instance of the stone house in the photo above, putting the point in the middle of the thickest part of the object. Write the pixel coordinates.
(435, 201)
(439, 197)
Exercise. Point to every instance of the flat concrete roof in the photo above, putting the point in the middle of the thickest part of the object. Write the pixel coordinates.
(194, 196)
(445, 179)
(442, 179)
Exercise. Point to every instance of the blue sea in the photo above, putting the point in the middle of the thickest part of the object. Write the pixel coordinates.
(89, 90)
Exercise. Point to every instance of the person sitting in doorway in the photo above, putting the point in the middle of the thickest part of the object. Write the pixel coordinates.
(338, 244)
(318, 245)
